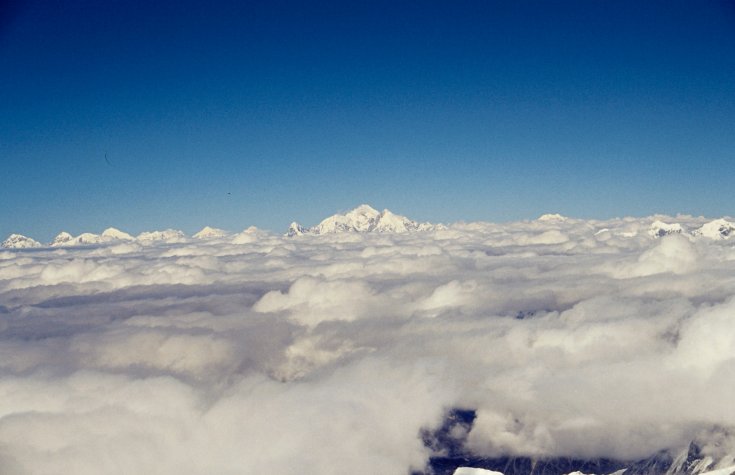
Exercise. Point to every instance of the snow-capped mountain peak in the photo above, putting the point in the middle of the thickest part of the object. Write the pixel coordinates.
(249, 235)
(363, 219)
(476, 471)
(363, 216)
(389, 222)
(208, 232)
(18, 241)
(110, 234)
(116, 234)
(171, 235)
(717, 229)
(62, 239)
(87, 238)
(295, 229)
(661, 229)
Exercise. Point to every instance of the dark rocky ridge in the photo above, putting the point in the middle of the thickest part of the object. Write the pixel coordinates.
(449, 453)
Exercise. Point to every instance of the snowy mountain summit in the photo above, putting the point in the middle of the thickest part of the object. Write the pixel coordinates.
(552, 217)
(363, 219)
(114, 234)
(208, 232)
(717, 229)
(18, 241)
(167, 235)
(660, 229)
(295, 229)
(64, 239)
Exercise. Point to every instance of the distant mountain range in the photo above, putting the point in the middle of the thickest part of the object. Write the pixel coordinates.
(363, 219)
(717, 229)
(109, 235)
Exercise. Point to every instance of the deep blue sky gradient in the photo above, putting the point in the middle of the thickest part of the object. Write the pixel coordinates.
(233, 114)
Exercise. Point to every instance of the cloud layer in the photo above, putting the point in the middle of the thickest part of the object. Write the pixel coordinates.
(328, 354)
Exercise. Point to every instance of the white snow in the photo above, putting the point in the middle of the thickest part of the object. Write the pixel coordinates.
(388, 222)
(18, 241)
(208, 232)
(659, 229)
(552, 217)
(109, 235)
(249, 235)
(65, 239)
(62, 239)
(295, 229)
(168, 235)
(114, 234)
(475, 471)
(717, 229)
(363, 219)
(87, 238)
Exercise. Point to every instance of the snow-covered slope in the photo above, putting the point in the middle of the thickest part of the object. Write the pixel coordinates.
(62, 239)
(208, 232)
(87, 238)
(363, 219)
(170, 235)
(710, 452)
(388, 222)
(717, 229)
(475, 471)
(295, 229)
(114, 234)
(18, 241)
(691, 460)
(109, 235)
(661, 229)
(251, 234)
(552, 217)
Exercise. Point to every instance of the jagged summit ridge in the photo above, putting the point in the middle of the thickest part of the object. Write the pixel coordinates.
(295, 229)
(716, 229)
(108, 236)
(18, 241)
(366, 219)
(64, 239)
(114, 233)
(208, 232)
(660, 229)
(168, 235)
(363, 219)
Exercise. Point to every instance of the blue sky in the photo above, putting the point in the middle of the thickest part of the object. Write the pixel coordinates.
(146, 115)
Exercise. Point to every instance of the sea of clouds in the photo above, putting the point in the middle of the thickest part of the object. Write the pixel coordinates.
(258, 353)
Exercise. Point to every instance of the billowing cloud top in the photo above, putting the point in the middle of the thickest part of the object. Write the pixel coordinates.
(258, 353)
